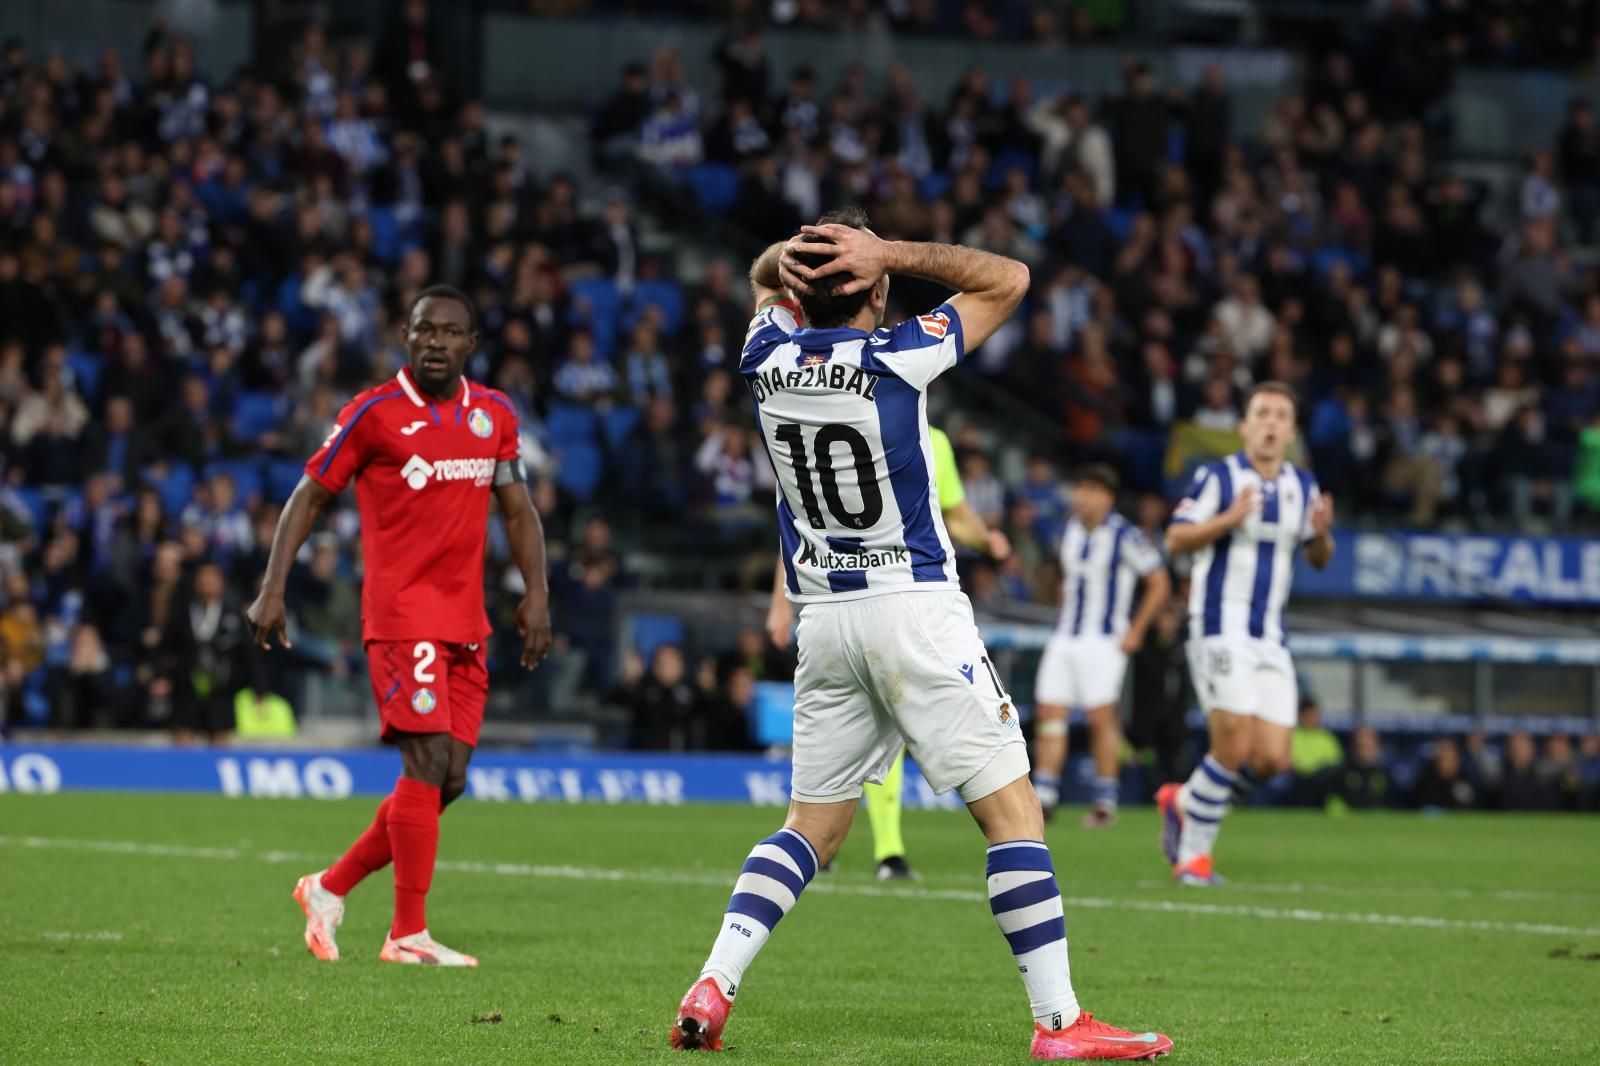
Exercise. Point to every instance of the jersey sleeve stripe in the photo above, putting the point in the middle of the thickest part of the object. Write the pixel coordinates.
(1211, 616)
(344, 434)
(1108, 624)
(503, 402)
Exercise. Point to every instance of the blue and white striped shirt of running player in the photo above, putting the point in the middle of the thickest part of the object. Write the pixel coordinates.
(843, 414)
(1240, 581)
(1100, 569)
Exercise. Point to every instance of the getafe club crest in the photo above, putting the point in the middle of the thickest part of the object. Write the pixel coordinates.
(423, 701)
(480, 423)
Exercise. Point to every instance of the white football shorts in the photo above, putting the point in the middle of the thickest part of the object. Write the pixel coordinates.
(1245, 675)
(1081, 672)
(903, 668)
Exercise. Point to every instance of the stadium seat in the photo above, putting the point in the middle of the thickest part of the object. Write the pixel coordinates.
(617, 425)
(86, 369)
(580, 470)
(570, 424)
(246, 474)
(385, 234)
(715, 185)
(650, 631)
(1325, 258)
(934, 185)
(667, 296)
(1008, 161)
(302, 319)
(1120, 220)
(176, 487)
(604, 308)
(282, 475)
(254, 414)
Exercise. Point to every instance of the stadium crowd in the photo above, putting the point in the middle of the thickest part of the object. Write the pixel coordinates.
(195, 272)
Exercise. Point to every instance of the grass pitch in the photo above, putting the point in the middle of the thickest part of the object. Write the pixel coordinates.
(160, 929)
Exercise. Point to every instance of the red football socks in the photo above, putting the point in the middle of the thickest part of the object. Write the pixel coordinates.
(414, 839)
(369, 854)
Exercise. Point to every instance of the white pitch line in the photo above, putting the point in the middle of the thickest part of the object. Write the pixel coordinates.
(671, 877)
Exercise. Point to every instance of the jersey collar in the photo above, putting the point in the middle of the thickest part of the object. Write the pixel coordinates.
(1244, 461)
(831, 335)
(415, 395)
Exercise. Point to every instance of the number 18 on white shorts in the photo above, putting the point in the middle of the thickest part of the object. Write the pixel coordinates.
(903, 668)
(1245, 675)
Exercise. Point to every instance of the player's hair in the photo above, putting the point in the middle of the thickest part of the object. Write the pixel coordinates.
(1272, 388)
(446, 292)
(823, 308)
(1101, 474)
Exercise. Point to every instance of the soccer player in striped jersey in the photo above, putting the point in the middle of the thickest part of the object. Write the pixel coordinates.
(889, 653)
(967, 528)
(1103, 558)
(1244, 518)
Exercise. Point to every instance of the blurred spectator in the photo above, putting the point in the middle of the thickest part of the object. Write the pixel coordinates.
(1525, 784)
(1443, 785)
(584, 379)
(1160, 694)
(663, 705)
(83, 692)
(648, 377)
(1315, 756)
(1561, 769)
(583, 593)
(655, 463)
(207, 657)
(327, 607)
(1363, 782)
(618, 122)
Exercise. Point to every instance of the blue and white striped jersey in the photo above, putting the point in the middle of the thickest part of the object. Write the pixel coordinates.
(843, 414)
(1240, 581)
(1100, 568)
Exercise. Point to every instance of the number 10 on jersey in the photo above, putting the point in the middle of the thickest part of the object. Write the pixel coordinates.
(822, 445)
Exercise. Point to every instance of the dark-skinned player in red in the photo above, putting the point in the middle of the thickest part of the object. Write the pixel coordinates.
(426, 450)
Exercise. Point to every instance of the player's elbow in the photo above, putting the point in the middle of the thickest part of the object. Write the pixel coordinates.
(1018, 279)
(1174, 542)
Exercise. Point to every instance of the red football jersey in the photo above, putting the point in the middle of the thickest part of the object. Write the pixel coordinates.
(424, 472)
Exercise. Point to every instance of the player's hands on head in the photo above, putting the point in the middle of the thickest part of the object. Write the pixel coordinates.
(1243, 506)
(533, 622)
(1322, 516)
(267, 616)
(860, 253)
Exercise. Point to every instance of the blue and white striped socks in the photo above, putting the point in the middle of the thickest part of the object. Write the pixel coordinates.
(1107, 790)
(1027, 907)
(1205, 799)
(778, 869)
(1047, 786)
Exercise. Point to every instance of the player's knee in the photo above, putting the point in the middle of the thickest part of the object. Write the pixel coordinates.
(825, 835)
(427, 758)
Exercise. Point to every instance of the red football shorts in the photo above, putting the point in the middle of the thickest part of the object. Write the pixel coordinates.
(429, 686)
